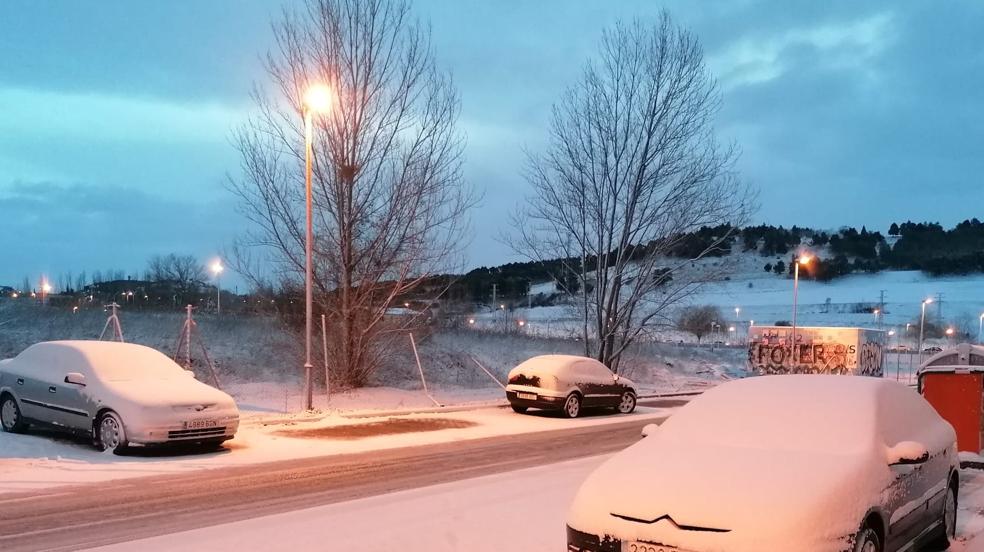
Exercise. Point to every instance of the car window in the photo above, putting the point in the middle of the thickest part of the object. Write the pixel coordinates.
(595, 372)
(903, 415)
(48, 362)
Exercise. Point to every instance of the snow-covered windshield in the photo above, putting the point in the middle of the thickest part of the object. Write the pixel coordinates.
(132, 363)
(831, 414)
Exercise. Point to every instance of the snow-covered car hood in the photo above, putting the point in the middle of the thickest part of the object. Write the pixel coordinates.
(736, 499)
(167, 392)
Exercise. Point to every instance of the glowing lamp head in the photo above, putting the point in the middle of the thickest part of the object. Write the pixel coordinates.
(949, 331)
(317, 98)
(217, 268)
(471, 320)
(928, 300)
(891, 332)
(46, 287)
(522, 322)
(804, 260)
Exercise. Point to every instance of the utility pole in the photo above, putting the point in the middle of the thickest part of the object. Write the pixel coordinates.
(881, 301)
(939, 309)
(494, 289)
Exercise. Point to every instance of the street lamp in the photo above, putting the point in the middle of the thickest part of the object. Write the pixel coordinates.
(317, 99)
(980, 330)
(217, 269)
(922, 326)
(45, 290)
(800, 260)
(877, 313)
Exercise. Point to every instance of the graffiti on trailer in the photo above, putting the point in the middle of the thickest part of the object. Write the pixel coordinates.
(775, 357)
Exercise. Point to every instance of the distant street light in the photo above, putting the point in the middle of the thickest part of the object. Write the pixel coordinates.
(45, 290)
(217, 269)
(801, 260)
(980, 330)
(317, 99)
(922, 326)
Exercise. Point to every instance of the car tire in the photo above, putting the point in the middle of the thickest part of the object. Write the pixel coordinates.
(110, 433)
(627, 404)
(519, 409)
(10, 415)
(948, 525)
(572, 406)
(867, 540)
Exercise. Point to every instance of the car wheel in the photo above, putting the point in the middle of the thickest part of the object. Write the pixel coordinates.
(110, 433)
(948, 525)
(519, 409)
(572, 406)
(628, 403)
(10, 415)
(867, 541)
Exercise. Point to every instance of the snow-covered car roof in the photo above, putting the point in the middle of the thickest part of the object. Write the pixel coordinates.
(109, 359)
(551, 365)
(817, 413)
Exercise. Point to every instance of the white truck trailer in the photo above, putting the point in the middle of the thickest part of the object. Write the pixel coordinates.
(849, 351)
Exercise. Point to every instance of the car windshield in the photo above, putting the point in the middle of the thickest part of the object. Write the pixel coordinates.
(134, 364)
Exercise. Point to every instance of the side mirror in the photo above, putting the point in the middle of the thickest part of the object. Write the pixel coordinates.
(75, 378)
(650, 429)
(907, 453)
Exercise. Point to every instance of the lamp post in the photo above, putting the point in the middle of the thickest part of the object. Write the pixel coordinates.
(317, 99)
(217, 269)
(800, 260)
(922, 326)
(737, 320)
(877, 313)
(898, 340)
(980, 330)
(949, 335)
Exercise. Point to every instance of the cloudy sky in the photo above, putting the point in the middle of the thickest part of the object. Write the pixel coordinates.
(115, 117)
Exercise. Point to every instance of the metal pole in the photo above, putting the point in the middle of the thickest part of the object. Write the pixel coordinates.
(980, 329)
(792, 345)
(218, 295)
(308, 153)
(324, 342)
(922, 323)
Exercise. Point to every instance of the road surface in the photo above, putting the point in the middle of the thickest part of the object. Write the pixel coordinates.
(73, 518)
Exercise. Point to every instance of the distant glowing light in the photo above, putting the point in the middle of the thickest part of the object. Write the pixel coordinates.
(46, 287)
(471, 320)
(216, 268)
(522, 322)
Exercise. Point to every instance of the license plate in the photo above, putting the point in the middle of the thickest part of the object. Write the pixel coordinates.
(646, 547)
(200, 424)
(527, 396)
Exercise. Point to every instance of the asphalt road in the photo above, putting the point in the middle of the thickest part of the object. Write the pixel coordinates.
(74, 518)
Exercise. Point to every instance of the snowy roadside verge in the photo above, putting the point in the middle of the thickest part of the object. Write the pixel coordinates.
(39, 461)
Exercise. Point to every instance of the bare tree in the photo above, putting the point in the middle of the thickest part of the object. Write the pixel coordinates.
(632, 166)
(698, 320)
(389, 201)
(184, 270)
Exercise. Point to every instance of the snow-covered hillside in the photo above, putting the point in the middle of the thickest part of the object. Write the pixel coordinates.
(765, 298)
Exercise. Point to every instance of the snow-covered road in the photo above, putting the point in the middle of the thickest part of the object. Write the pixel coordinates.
(522, 510)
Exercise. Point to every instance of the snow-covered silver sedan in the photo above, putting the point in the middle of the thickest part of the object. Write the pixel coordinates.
(123, 395)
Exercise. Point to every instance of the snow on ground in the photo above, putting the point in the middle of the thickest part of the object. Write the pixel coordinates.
(36, 461)
(521, 510)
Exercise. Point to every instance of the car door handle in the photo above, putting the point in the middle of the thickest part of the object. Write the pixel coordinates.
(52, 389)
(20, 381)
